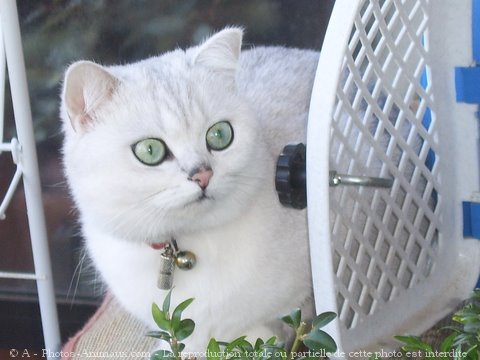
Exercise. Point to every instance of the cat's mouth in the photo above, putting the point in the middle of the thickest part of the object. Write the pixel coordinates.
(202, 198)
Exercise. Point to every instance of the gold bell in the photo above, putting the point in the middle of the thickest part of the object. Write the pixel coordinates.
(185, 260)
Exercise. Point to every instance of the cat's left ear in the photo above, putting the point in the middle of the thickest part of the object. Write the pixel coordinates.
(221, 51)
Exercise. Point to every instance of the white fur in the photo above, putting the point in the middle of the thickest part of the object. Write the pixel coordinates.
(253, 262)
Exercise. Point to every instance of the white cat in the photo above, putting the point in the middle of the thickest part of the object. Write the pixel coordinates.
(184, 146)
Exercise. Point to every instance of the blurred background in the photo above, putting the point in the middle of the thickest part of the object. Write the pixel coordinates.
(55, 34)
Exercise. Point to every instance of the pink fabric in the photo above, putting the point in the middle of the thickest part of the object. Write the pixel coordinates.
(69, 347)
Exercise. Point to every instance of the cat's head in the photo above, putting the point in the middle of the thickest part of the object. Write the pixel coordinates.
(163, 146)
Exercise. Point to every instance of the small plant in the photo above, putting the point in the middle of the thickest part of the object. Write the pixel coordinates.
(174, 329)
(463, 343)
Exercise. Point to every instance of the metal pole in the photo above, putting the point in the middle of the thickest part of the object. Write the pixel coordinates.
(2, 86)
(31, 178)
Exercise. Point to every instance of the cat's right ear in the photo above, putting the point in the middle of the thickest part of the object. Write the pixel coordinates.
(86, 87)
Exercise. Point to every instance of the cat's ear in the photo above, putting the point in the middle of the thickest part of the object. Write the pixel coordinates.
(86, 87)
(221, 51)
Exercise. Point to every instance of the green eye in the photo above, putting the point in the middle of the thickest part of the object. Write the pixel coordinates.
(150, 151)
(220, 135)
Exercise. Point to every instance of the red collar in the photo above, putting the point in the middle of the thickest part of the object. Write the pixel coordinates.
(158, 246)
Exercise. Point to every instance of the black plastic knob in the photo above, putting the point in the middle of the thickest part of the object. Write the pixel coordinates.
(290, 178)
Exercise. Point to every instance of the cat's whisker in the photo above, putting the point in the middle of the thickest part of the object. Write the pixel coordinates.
(75, 278)
(248, 176)
(140, 204)
(156, 193)
(146, 216)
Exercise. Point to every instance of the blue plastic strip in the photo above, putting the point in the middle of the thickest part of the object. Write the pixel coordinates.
(476, 57)
(476, 30)
(427, 122)
(471, 219)
(467, 80)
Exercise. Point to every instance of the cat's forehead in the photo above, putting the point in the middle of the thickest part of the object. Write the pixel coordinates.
(168, 95)
(156, 98)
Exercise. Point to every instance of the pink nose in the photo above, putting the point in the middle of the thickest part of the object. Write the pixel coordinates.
(202, 177)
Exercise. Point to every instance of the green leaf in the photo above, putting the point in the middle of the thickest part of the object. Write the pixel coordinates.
(319, 340)
(248, 347)
(288, 320)
(293, 319)
(271, 341)
(472, 326)
(413, 343)
(166, 302)
(161, 354)
(458, 352)
(323, 319)
(472, 351)
(469, 314)
(235, 344)
(447, 343)
(162, 335)
(185, 329)
(213, 350)
(177, 313)
(258, 343)
(296, 316)
(464, 339)
(160, 318)
(452, 328)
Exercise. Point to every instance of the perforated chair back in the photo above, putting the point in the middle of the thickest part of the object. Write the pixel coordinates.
(392, 260)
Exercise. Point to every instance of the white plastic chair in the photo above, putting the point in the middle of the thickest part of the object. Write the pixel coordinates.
(391, 261)
(25, 157)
